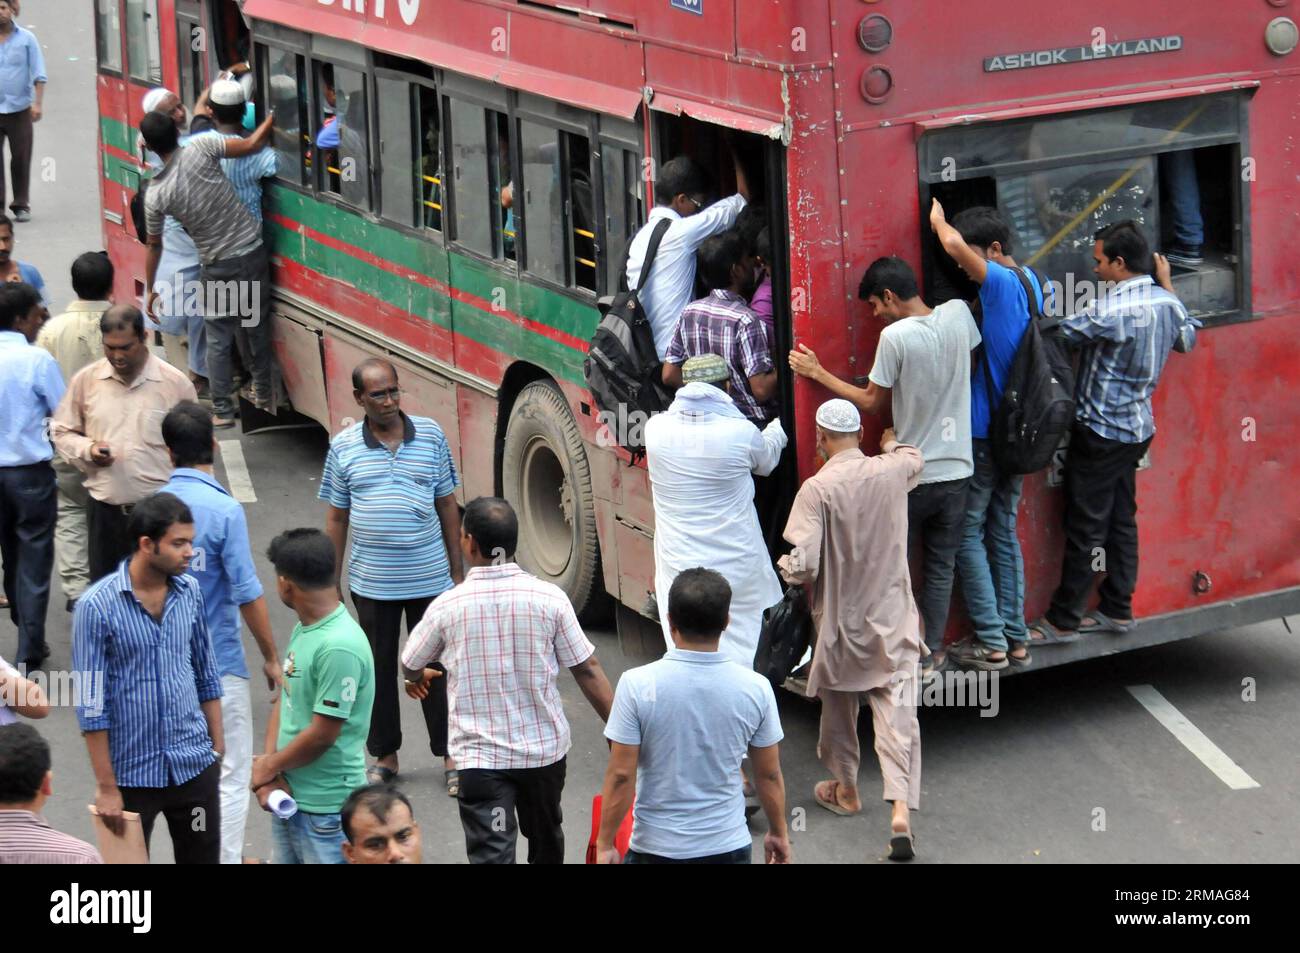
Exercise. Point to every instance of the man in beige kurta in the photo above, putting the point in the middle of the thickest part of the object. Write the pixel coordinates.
(848, 527)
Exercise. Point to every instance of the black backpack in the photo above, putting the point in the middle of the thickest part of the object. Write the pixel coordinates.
(1037, 405)
(137, 213)
(622, 368)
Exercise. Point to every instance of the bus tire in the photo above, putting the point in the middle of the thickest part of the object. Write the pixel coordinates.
(546, 478)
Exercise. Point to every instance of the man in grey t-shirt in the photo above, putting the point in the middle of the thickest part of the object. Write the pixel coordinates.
(922, 372)
(193, 189)
(678, 730)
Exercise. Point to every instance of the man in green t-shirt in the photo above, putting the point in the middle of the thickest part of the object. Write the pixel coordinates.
(316, 736)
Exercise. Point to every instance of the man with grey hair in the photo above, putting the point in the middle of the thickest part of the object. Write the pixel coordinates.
(848, 530)
(702, 454)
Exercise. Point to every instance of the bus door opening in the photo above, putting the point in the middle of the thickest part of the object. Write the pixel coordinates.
(712, 147)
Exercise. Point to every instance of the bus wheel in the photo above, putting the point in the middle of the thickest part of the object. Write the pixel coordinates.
(545, 476)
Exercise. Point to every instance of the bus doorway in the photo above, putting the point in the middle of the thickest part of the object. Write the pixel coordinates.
(763, 160)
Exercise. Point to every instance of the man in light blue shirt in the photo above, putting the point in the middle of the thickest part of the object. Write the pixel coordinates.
(678, 731)
(31, 387)
(223, 565)
(22, 91)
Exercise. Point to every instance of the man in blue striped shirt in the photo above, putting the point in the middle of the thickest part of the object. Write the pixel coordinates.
(391, 479)
(154, 727)
(1126, 338)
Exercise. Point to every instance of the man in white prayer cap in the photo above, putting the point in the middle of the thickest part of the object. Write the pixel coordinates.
(848, 530)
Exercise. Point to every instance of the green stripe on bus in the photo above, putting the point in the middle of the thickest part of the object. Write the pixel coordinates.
(122, 172)
(117, 134)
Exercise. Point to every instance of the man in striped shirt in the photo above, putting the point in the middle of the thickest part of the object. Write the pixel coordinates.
(504, 635)
(25, 784)
(1126, 339)
(154, 729)
(391, 479)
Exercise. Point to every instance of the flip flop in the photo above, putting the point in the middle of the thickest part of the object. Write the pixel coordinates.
(378, 774)
(1103, 623)
(1051, 635)
(832, 805)
(902, 846)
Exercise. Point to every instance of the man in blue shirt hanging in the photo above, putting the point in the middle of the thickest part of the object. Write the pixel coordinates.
(223, 565)
(31, 387)
(22, 92)
(989, 562)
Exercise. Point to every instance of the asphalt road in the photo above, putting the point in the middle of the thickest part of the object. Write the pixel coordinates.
(1072, 768)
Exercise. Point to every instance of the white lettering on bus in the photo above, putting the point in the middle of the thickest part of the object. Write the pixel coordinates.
(409, 9)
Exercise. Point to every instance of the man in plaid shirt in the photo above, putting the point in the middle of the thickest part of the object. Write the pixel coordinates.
(503, 636)
(724, 324)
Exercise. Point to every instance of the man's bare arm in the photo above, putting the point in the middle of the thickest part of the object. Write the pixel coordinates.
(595, 686)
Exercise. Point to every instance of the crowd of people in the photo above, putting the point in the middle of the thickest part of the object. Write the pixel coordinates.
(155, 561)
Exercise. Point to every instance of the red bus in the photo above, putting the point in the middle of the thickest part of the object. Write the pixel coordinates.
(849, 117)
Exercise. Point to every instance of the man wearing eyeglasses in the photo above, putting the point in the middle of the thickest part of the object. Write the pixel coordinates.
(391, 479)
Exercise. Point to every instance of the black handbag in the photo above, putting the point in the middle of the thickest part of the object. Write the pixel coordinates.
(786, 635)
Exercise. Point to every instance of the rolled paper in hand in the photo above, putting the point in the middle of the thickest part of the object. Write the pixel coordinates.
(282, 804)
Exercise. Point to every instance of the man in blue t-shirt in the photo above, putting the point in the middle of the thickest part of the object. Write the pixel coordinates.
(989, 561)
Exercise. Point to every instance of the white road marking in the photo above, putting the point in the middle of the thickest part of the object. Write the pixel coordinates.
(1210, 754)
(241, 482)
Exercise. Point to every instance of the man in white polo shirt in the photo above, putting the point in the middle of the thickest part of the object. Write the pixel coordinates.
(678, 730)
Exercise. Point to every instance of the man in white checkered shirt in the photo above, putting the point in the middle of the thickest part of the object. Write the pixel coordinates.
(503, 636)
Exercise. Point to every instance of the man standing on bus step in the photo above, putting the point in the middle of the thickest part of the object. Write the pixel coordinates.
(235, 269)
(22, 92)
(503, 636)
(154, 730)
(231, 590)
(848, 530)
(989, 562)
(679, 197)
(391, 479)
(30, 389)
(1125, 338)
(702, 455)
(109, 426)
(75, 341)
(922, 372)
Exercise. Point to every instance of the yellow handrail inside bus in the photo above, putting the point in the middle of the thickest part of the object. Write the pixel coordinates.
(584, 261)
(434, 205)
(584, 233)
(433, 179)
(1112, 188)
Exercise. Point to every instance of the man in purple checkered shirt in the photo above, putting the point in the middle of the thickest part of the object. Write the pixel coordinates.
(724, 324)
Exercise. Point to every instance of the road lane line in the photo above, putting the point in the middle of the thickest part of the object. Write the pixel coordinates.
(1210, 754)
(241, 482)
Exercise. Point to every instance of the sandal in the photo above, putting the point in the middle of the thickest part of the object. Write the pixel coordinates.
(378, 774)
(902, 845)
(833, 804)
(1024, 660)
(452, 778)
(1050, 634)
(1102, 623)
(975, 655)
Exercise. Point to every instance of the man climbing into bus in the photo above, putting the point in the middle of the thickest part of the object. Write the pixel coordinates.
(989, 561)
(1126, 338)
(922, 372)
(679, 197)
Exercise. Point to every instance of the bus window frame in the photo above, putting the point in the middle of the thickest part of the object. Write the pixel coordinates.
(627, 136)
(153, 30)
(1241, 209)
(457, 88)
(261, 63)
(314, 63)
(121, 40)
(187, 22)
(414, 82)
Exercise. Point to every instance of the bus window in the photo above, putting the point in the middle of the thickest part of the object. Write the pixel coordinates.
(144, 61)
(108, 35)
(430, 146)
(624, 209)
(582, 211)
(472, 181)
(189, 60)
(543, 201)
(1167, 165)
(505, 222)
(281, 72)
(398, 167)
(342, 134)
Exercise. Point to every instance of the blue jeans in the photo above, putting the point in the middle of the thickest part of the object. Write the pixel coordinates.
(1178, 173)
(308, 839)
(989, 562)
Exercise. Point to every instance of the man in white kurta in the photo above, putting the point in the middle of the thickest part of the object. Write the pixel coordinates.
(701, 454)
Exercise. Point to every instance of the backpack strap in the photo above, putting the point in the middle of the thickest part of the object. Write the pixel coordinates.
(656, 236)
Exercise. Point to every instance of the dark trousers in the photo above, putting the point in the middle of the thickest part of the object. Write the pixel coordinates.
(936, 515)
(1100, 518)
(17, 128)
(741, 855)
(237, 314)
(381, 620)
(193, 813)
(110, 542)
(489, 802)
(29, 507)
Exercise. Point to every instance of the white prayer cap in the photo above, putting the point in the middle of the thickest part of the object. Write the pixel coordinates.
(839, 416)
(154, 98)
(227, 92)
